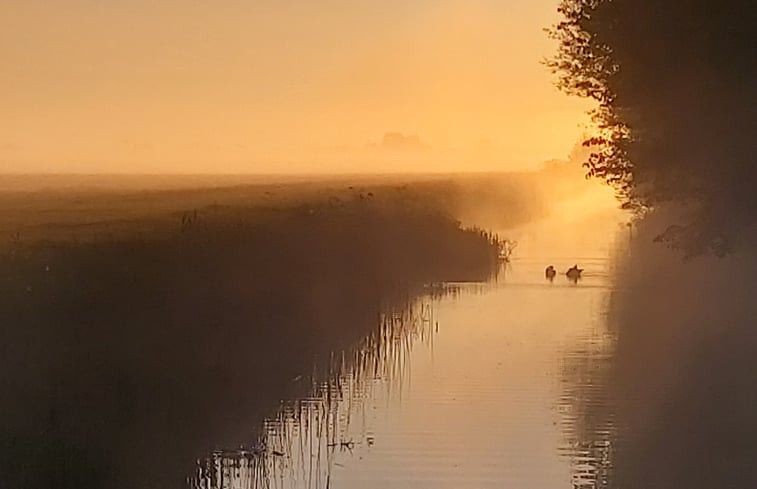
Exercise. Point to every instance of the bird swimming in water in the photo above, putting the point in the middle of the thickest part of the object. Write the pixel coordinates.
(574, 273)
(550, 272)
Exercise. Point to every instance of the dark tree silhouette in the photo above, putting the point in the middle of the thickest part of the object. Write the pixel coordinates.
(676, 109)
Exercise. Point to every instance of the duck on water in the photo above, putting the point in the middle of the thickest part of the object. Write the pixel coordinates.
(574, 273)
(550, 273)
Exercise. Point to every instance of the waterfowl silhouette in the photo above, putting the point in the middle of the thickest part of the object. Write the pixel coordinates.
(574, 273)
(550, 272)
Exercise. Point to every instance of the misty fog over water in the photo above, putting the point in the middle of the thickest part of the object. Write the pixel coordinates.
(352, 333)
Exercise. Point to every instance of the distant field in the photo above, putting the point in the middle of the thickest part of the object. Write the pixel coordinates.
(85, 208)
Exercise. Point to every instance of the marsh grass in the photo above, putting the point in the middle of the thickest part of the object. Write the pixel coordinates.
(66, 209)
(126, 357)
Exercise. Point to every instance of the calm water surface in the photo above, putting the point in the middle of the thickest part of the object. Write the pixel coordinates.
(474, 385)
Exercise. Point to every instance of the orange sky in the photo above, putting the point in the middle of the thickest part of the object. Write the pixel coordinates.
(279, 86)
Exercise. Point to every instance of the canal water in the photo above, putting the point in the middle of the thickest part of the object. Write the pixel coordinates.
(471, 386)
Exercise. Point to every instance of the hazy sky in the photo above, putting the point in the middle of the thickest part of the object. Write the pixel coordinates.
(279, 86)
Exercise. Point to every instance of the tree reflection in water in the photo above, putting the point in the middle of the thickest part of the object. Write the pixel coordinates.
(587, 418)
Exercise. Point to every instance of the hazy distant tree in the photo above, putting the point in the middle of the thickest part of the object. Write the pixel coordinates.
(676, 100)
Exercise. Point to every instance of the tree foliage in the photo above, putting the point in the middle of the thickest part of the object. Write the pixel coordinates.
(675, 89)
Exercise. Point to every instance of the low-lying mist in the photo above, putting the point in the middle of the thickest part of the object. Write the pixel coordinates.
(59, 208)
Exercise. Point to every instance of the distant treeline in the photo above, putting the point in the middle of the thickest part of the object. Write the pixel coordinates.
(124, 359)
(677, 108)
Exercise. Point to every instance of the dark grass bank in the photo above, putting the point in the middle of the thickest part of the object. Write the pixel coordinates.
(125, 360)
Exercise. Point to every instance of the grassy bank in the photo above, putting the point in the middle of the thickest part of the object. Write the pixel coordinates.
(125, 358)
(34, 208)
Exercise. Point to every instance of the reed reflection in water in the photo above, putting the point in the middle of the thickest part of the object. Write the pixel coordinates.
(510, 390)
(298, 446)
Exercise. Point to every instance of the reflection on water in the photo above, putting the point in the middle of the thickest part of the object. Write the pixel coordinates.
(587, 420)
(298, 446)
(502, 384)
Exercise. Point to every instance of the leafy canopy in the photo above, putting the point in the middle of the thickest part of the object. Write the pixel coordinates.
(676, 108)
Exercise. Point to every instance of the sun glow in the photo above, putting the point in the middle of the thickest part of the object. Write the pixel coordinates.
(280, 87)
